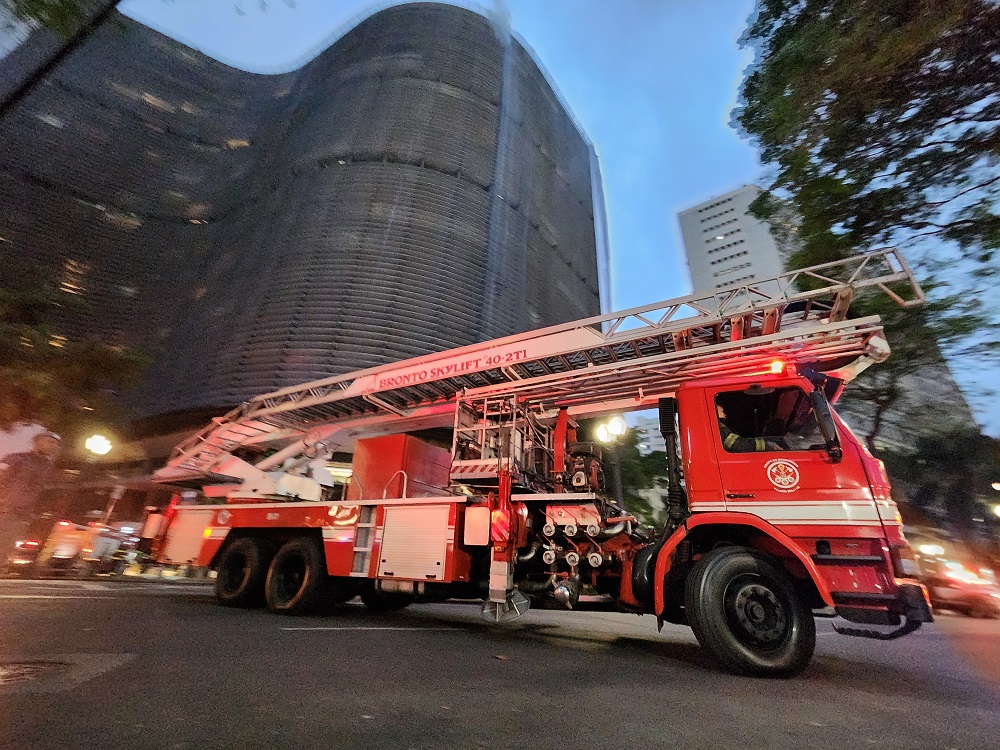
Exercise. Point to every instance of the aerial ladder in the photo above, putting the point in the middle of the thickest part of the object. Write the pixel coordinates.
(622, 361)
(520, 509)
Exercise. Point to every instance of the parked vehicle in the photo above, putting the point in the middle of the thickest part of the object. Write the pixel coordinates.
(85, 549)
(20, 561)
(955, 587)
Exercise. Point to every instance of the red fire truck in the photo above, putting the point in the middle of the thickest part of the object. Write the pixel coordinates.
(468, 479)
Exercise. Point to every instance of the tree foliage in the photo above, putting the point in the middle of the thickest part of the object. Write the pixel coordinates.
(952, 473)
(879, 121)
(65, 17)
(880, 116)
(44, 376)
(637, 471)
(917, 336)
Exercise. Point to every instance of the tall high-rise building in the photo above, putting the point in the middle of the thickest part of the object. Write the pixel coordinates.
(726, 245)
(417, 186)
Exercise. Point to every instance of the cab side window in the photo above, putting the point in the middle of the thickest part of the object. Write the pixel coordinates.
(767, 420)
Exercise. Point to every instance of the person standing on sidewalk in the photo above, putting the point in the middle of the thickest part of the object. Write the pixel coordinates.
(23, 476)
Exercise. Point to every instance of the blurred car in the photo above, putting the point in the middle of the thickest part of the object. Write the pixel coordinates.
(22, 559)
(961, 590)
(65, 548)
(86, 549)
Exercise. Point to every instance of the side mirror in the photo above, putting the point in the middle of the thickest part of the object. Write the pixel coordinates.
(821, 408)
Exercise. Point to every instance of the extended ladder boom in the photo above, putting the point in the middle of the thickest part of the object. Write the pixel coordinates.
(616, 361)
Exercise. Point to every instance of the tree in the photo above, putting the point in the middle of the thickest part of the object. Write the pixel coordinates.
(953, 474)
(879, 121)
(47, 377)
(880, 116)
(65, 17)
(637, 472)
(74, 21)
(917, 337)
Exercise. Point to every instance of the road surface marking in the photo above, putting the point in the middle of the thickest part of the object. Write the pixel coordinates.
(51, 596)
(366, 628)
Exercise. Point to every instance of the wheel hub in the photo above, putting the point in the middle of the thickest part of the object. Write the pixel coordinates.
(760, 614)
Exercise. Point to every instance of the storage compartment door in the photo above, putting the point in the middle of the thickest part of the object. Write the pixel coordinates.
(415, 542)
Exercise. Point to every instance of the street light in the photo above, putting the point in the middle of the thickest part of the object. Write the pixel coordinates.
(608, 433)
(98, 445)
(613, 428)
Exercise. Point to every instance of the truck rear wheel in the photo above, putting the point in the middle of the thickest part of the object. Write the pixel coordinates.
(239, 578)
(297, 579)
(746, 613)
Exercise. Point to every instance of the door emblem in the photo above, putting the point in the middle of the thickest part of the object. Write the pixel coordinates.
(223, 517)
(783, 474)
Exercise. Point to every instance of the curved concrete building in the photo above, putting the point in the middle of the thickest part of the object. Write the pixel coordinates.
(417, 186)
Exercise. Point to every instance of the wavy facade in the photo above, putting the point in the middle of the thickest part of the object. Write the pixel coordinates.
(417, 186)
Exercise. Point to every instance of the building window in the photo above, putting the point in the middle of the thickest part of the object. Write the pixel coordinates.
(720, 248)
(725, 271)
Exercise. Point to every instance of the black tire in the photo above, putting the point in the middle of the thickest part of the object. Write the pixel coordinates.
(381, 601)
(746, 613)
(297, 579)
(239, 578)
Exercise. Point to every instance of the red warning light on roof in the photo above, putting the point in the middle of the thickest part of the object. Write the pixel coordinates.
(777, 366)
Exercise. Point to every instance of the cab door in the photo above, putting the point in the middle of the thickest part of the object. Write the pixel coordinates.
(780, 469)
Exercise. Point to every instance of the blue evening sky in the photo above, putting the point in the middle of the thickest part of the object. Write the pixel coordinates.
(651, 82)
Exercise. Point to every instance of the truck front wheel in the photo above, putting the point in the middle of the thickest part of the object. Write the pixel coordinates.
(297, 579)
(239, 577)
(746, 613)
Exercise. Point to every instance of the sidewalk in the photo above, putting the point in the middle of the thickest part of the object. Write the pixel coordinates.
(133, 572)
(181, 574)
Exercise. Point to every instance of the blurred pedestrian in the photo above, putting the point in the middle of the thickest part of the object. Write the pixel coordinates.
(23, 476)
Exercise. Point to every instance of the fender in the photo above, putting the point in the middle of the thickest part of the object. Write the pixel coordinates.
(665, 558)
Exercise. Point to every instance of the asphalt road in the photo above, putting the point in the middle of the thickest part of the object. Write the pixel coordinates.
(155, 665)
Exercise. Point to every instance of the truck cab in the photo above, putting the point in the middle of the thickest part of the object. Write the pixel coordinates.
(772, 471)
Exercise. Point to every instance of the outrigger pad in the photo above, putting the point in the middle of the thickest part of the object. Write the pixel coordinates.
(515, 606)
